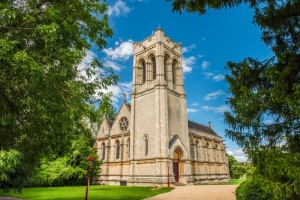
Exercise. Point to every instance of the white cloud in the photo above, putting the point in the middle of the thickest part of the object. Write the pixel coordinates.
(208, 74)
(123, 51)
(195, 104)
(85, 65)
(213, 95)
(238, 154)
(118, 91)
(205, 65)
(191, 110)
(120, 8)
(187, 63)
(188, 49)
(220, 109)
(112, 64)
(218, 78)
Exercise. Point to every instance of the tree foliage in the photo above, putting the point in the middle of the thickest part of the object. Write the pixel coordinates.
(69, 169)
(237, 169)
(265, 102)
(45, 92)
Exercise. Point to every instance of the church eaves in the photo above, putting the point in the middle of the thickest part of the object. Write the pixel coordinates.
(200, 127)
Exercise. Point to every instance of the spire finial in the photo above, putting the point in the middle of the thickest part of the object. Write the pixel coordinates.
(124, 96)
(158, 27)
(209, 124)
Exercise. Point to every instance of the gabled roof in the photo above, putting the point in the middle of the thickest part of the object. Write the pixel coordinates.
(200, 127)
(129, 106)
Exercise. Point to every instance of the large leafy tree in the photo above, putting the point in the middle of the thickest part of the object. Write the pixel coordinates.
(45, 91)
(265, 102)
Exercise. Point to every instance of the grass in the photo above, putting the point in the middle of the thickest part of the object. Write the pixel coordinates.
(95, 192)
(230, 182)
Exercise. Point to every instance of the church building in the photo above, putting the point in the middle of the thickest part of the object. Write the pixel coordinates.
(151, 139)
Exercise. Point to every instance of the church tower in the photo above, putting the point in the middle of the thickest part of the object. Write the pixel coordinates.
(151, 140)
(158, 112)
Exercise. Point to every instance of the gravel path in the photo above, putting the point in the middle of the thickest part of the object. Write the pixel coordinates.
(199, 192)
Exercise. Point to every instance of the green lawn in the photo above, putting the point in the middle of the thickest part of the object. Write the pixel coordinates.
(95, 192)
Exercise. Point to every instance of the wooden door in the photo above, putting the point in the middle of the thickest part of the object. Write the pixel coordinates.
(176, 171)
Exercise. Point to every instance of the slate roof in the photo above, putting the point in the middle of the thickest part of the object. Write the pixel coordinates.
(200, 127)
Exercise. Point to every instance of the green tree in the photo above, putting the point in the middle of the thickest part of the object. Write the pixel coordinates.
(45, 92)
(237, 169)
(265, 102)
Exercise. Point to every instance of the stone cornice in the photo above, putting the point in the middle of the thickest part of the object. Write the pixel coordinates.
(145, 49)
(172, 51)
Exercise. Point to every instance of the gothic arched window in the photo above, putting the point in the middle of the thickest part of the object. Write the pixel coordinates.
(103, 151)
(117, 149)
(174, 71)
(166, 60)
(197, 153)
(153, 68)
(207, 158)
(146, 147)
(146, 138)
(144, 71)
(129, 148)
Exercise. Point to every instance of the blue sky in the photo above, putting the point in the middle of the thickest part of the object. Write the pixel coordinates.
(208, 41)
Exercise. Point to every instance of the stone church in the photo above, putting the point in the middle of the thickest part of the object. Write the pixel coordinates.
(153, 136)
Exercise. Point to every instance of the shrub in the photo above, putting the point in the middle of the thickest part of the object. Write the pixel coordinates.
(253, 190)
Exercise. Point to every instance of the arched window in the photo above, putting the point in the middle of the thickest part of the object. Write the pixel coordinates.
(166, 60)
(174, 71)
(216, 153)
(117, 149)
(153, 68)
(146, 147)
(207, 158)
(146, 138)
(197, 153)
(144, 71)
(128, 148)
(103, 151)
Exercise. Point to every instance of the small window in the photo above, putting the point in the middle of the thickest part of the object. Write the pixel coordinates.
(117, 150)
(103, 151)
(197, 153)
(128, 148)
(146, 147)
(146, 138)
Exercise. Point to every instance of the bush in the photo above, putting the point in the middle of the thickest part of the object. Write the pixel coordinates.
(253, 190)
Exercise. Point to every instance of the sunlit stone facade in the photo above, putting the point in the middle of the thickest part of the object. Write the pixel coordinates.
(154, 130)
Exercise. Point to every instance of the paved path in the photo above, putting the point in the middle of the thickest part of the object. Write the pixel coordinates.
(199, 192)
(9, 198)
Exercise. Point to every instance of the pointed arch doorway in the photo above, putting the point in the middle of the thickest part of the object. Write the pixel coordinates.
(177, 163)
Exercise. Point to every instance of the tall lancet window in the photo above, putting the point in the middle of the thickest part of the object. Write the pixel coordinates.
(166, 60)
(129, 148)
(144, 71)
(174, 72)
(117, 149)
(146, 138)
(103, 151)
(197, 153)
(153, 67)
(146, 147)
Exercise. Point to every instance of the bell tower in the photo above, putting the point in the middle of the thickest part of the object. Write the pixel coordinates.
(158, 110)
